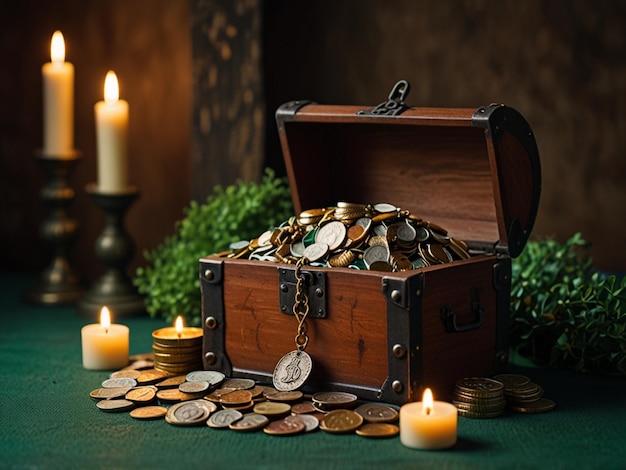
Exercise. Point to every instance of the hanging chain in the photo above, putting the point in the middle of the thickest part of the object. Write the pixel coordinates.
(301, 306)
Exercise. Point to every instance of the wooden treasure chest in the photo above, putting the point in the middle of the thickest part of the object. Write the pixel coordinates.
(470, 176)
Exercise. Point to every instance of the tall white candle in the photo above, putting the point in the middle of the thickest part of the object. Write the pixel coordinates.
(105, 345)
(58, 101)
(112, 135)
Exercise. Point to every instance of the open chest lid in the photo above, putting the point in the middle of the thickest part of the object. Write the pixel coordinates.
(475, 172)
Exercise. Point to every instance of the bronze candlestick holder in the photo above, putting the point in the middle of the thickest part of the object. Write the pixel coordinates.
(115, 248)
(58, 283)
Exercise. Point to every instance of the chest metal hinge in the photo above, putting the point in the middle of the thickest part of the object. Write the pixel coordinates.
(394, 105)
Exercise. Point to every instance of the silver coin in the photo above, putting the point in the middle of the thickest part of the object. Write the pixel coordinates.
(315, 251)
(311, 423)
(223, 418)
(292, 371)
(198, 386)
(406, 232)
(264, 238)
(333, 234)
(190, 413)
(238, 384)
(213, 377)
(297, 249)
(374, 254)
(422, 234)
(115, 406)
(249, 422)
(377, 413)
(334, 399)
(119, 382)
(385, 208)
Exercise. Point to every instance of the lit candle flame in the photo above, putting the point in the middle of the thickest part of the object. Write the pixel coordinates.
(57, 48)
(105, 319)
(111, 87)
(179, 325)
(427, 402)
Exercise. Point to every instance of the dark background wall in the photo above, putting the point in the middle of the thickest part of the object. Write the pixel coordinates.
(561, 63)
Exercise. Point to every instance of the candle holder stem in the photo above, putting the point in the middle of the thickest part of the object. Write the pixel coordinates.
(58, 283)
(115, 248)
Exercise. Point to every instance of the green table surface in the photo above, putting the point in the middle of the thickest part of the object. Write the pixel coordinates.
(47, 419)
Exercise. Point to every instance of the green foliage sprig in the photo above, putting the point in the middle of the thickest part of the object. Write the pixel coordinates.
(563, 312)
(241, 211)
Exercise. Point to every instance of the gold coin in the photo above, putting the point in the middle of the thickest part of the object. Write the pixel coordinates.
(249, 422)
(109, 393)
(149, 412)
(125, 374)
(141, 394)
(283, 427)
(216, 395)
(302, 408)
(244, 408)
(199, 386)
(171, 382)
(287, 396)
(377, 413)
(115, 405)
(512, 380)
(272, 409)
(479, 415)
(341, 421)
(173, 395)
(542, 405)
(238, 384)
(479, 408)
(150, 376)
(378, 430)
(236, 398)
(140, 365)
(479, 387)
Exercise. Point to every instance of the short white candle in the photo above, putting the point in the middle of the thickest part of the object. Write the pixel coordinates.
(428, 424)
(105, 345)
(58, 101)
(112, 135)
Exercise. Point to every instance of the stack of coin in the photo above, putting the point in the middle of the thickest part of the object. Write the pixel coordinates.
(522, 395)
(377, 237)
(177, 354)
(478, 397)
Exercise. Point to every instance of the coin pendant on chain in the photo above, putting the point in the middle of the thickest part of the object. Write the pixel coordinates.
(292, 371)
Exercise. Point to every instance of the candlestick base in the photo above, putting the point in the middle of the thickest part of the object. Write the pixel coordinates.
(58, 283)
(115, 248)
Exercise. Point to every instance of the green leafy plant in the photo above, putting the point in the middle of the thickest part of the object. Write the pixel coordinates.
(563, 312)
(241, 211)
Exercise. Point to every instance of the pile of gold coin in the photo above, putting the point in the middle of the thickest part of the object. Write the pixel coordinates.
(478, 397)
(177, 355)
(379, 237)
(523, 395)
(208, 398)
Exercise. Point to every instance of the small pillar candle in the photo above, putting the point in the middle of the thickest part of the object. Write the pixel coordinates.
(58, 101)
(111, 136)
(428, 424)
(105, 345)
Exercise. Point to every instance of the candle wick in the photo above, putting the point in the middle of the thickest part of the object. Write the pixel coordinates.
(428, 411)
(179, 335)
(106, 331)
